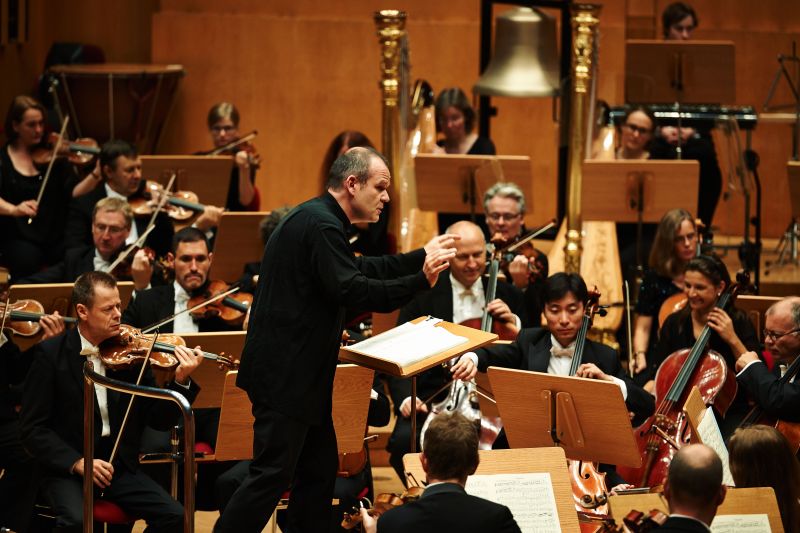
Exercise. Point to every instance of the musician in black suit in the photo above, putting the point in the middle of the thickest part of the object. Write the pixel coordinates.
(450, 456)
(456, 297)
(308, 276)
(778, 399)
(52, 416)
(693, 490)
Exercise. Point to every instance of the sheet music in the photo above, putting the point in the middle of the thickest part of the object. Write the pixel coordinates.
(409, 343)
(708, 431)
(741, 523)
(529, 496)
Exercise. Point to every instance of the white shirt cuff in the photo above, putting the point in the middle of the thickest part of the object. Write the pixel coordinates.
(185, 387)
(473, 356)
(747, 366)
(373, 394)
(622, 386)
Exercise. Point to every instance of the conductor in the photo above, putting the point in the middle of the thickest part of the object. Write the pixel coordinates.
(308, 276)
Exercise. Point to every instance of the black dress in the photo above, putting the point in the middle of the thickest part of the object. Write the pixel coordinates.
(653, 292)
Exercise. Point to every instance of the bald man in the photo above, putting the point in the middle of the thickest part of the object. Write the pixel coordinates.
(693, 490)
(456, 297)
(782, 339)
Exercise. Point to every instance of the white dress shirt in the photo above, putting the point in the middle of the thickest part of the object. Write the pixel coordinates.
(92, 354)
(467, 302)
(134, 234)
(184, 323)
(100, 264)
(561, 361)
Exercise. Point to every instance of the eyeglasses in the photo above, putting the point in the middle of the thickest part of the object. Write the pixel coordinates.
(636, 129)
(113, 230)
(495, 217)
(774, 335)
(221, 129)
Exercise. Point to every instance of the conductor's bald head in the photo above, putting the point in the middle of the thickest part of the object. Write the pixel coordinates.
(694, 483)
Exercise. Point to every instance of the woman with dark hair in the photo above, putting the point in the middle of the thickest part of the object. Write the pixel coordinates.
(674, 245)
(760, 456)
(732, 333)
(678, 21)
(223, 126)
(455, 119)
(636, 133)
(27, 247)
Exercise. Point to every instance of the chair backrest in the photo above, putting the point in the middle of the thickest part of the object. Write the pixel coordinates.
(756, 308)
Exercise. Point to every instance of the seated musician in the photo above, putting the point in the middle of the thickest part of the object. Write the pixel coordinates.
(223, 126)
(693, 490)
(732, 333)
(779, 399)
(112, 220)
(52, 416)
(457, 297)
(450, 456)
(18, 484)
(504, 206)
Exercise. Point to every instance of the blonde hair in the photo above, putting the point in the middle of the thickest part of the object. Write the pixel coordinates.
(115, 205)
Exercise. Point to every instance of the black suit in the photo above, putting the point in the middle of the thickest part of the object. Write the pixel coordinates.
(78, 232)
(679, 524)
(778, 399)
(308, 276)
(155, 304)
(437, 302)
(447, 507)
(52, 430)
(76, 262)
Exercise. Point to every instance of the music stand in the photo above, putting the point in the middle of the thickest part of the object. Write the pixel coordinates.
(540, 410)
(455, 183)
(788, 241)
(238, 242)
(206, 176)
(684, 72)
(209, 376)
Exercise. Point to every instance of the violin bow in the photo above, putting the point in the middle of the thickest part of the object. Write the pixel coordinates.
(167, 320)
(162, 201)
(137, 244)
(6, 312)
(532, 235)
(50, 164)
(234, 144)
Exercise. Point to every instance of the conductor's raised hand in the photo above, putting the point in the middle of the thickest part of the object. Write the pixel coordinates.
(437, 262)
(448, 240)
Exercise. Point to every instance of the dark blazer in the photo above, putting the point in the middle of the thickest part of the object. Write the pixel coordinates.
(780, 400)
(14, 365)
(76, 262)
(308, 276)
(677, 524)
(447, 507)
(156, 304)
(78, 232)
(531, 351)
(52, 407)
(438, 302)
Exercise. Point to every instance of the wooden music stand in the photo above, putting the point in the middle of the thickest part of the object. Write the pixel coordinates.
(206, 176)
(351, 393)
(475, 339)
(687, 72)
(56, 297)
(756, 309)
(637, 190)
(455, 183)
(759, 500)
(706, 431)
(540, 410)
(238, 242)
(209, 375)
(519, 461)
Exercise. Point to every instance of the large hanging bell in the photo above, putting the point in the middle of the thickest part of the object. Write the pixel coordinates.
(525, 62)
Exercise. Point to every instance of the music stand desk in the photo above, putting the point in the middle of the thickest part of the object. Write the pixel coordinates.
(206, 176)
(209, 376)
(238, 242)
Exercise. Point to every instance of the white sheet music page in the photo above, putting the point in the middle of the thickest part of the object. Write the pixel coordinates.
(529, 496)
(409, 343)
(741, 523)
(710, 435)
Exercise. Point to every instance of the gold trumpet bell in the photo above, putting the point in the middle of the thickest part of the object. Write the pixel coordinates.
(525, 62)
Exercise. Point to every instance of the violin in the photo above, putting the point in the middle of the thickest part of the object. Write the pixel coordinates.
(129, 347)
(383, 502)
(180, 205)
(81, 152)
(231, 309)
(522, 245)
(22, 317)
(122, 268)
(241, 144)
(664, 433)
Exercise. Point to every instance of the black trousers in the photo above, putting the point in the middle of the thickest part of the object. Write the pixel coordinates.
(287, 453)
(400, 443)
(19, 483)
(135, 492)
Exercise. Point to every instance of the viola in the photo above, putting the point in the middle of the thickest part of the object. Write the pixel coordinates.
(22, 317)
(522, 245)
(664, 433)
(241, 144)
(162, 269)
(180, 205)
(383, 502)
(81, 152)
(231, 309)
(129, 348)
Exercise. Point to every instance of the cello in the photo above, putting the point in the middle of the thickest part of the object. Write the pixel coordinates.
(666, 431)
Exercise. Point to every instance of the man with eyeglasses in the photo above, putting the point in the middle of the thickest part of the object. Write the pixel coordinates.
(504, 205)
(112, 220)
(782, 338)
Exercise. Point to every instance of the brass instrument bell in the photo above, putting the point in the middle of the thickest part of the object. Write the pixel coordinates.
(525, 62)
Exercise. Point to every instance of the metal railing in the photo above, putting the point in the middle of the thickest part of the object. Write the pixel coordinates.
(90, 378)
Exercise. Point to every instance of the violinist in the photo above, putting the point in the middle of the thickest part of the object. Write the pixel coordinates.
(27, 247)
(504, 205)
(223, 126)
(705, 278)
(450, 456)
(780, 399)
(112, 220)
(119, 176)
(52, 416)
(456, 297)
